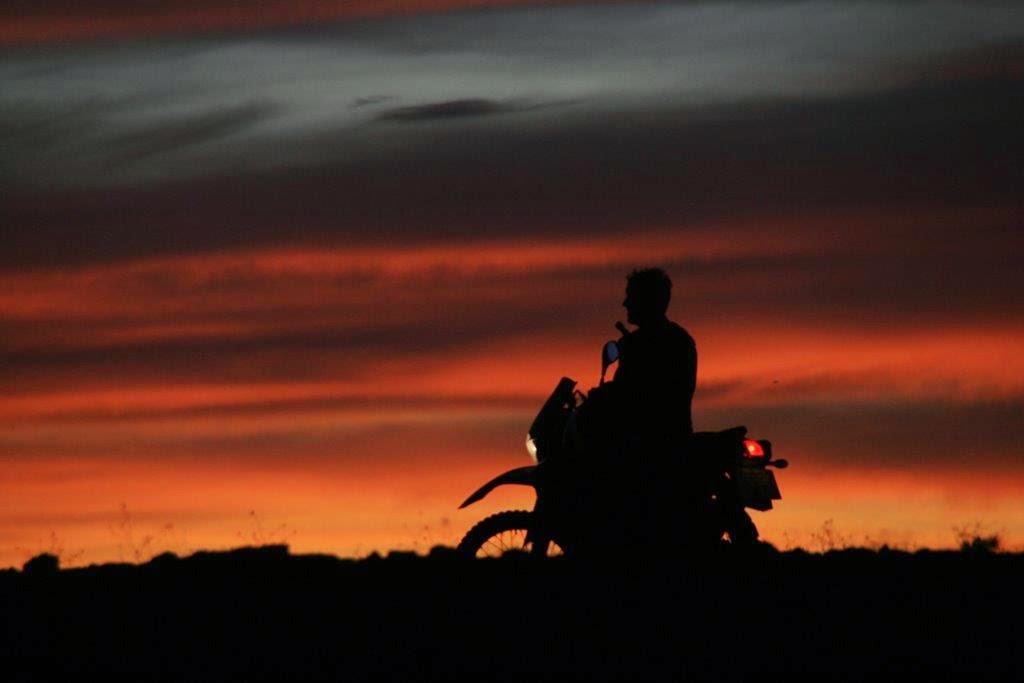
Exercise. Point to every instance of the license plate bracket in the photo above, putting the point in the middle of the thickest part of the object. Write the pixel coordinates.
(756, 484)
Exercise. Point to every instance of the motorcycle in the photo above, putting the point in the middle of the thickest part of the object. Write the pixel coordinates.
(725, 473)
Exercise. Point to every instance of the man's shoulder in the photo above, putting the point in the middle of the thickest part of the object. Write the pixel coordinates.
(679, 333)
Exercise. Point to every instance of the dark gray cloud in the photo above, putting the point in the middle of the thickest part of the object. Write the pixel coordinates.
(454, 109)
(939, 145)
(177, 134)
(370, 100)
(644, 57)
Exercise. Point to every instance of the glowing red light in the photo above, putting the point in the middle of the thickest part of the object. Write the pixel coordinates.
(753, 448)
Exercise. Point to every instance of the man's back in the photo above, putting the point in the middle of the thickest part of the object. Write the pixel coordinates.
(657, 375)
(634, 428)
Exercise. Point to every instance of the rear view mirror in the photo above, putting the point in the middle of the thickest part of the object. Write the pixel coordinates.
(609, 354)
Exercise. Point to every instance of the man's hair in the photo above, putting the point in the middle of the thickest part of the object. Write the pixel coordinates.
(652, 285)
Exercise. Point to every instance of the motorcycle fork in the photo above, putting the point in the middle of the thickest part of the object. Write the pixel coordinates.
(539, 535)
(732, 513)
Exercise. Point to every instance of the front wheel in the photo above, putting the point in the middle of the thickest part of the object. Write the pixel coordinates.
(505, 532)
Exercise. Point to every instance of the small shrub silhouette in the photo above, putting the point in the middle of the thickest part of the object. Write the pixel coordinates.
(44, 564)
(56, 547)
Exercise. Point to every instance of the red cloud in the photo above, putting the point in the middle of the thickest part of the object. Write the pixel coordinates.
(64, 21)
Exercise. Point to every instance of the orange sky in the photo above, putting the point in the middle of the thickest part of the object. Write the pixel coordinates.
(311, 286)
(346, 459)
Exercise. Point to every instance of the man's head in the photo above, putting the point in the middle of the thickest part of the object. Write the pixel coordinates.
(648, 291)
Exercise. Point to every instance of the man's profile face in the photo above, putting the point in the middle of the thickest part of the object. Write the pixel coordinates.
(632, 306)
(642, 306)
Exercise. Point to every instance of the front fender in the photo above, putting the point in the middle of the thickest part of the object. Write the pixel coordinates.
(526, 476)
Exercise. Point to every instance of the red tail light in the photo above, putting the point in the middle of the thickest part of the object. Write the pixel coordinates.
(752, 449)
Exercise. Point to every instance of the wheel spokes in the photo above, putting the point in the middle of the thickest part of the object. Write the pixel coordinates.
(512, 540)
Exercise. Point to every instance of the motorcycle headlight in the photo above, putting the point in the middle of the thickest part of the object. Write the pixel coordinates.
(531, 447)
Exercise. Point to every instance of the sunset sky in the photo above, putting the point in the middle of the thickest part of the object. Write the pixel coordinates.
(304, 271)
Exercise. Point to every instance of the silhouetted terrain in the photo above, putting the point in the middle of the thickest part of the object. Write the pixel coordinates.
(260, 613)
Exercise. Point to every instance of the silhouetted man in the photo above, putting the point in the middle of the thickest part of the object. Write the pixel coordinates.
(657, 371)
(634, 429)
(654, 387)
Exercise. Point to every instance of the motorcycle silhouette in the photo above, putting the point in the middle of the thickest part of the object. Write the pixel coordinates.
(713, 479)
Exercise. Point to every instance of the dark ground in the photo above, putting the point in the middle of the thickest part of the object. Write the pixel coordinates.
(256, 614)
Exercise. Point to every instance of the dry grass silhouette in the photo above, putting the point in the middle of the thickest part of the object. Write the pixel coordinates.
(976, 538)
(260, 535)
(135, 546)
(828, 538)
